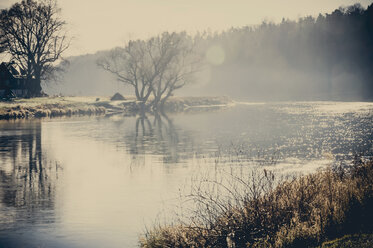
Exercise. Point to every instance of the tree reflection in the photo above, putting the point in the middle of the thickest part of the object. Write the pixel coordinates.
(157, 134)
(27, 179)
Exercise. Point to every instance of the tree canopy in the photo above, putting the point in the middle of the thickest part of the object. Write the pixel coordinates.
(324, 57)
(157, 66)
(33, 34)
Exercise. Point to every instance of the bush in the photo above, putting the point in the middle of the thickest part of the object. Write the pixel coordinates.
(262, 211)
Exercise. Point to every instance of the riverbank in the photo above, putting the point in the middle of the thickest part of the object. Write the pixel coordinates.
(300, 212)
(69, 106)
(349, 241)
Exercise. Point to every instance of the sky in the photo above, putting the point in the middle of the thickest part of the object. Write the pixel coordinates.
(101, 25)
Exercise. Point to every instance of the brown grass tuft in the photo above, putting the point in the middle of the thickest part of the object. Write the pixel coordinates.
(300, 212)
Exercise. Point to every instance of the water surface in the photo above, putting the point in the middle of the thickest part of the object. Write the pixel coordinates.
(97, 181)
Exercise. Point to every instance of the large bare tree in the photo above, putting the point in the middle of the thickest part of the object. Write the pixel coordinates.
(3, 42)
(34, 36)
(179, 60)
(157, 66)
(131, 66)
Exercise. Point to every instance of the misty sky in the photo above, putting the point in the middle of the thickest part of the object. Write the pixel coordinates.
(97, 25)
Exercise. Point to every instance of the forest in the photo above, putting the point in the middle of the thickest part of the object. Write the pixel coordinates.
(328, 57)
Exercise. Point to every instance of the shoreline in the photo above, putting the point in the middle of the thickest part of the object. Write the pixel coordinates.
(81, 106)
(327, 208)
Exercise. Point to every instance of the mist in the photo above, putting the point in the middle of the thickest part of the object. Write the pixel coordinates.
(199, 130)
(324, 58)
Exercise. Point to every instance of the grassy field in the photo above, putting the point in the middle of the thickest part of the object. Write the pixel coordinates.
(49, 107)
(58, 106)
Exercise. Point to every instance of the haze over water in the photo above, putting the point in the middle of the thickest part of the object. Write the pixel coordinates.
(97, 181)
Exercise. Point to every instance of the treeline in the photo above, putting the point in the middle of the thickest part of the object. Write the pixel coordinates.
(328, 57)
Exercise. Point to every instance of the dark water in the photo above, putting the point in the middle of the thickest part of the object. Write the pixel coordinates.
(98, 181)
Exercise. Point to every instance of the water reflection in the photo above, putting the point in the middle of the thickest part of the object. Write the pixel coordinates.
(157, 134)
(119, 171)
(28, 180)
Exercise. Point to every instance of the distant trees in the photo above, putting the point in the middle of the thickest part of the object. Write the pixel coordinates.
(33, 34)
(157, 66)
(327, 57)
(312, 58)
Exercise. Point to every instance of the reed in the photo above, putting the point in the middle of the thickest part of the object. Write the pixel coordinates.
(261, 210)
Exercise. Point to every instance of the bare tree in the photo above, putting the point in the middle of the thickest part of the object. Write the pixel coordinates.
(3, 42)
(35, 38)
(130, 66)
(179, 64)
(157, 66)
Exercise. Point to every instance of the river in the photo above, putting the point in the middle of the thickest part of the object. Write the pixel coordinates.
(99, 181)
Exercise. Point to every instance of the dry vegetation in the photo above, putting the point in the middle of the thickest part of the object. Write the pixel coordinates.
(67, 106)
(260, 210)
(49, 107)
(350, 241)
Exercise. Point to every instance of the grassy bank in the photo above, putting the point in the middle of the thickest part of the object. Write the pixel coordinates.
(49, 107)
(297, 212)
(62, 106)
(350, 241)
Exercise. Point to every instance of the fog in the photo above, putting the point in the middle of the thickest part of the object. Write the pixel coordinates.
(100, 25)
(324, 58)
(285, 160)
(82, 76)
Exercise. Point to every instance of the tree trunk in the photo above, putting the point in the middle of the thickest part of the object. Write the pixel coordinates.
(34, 87)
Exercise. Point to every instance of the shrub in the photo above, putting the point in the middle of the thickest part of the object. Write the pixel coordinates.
(260, 210)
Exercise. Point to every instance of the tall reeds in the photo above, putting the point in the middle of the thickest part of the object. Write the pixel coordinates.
(258, 209)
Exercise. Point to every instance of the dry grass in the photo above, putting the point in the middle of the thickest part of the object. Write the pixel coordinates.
(350, 241)
(60, 106)
(260, 211)
(50, 107)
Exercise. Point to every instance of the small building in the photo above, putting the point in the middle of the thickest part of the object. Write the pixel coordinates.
(12, 81)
